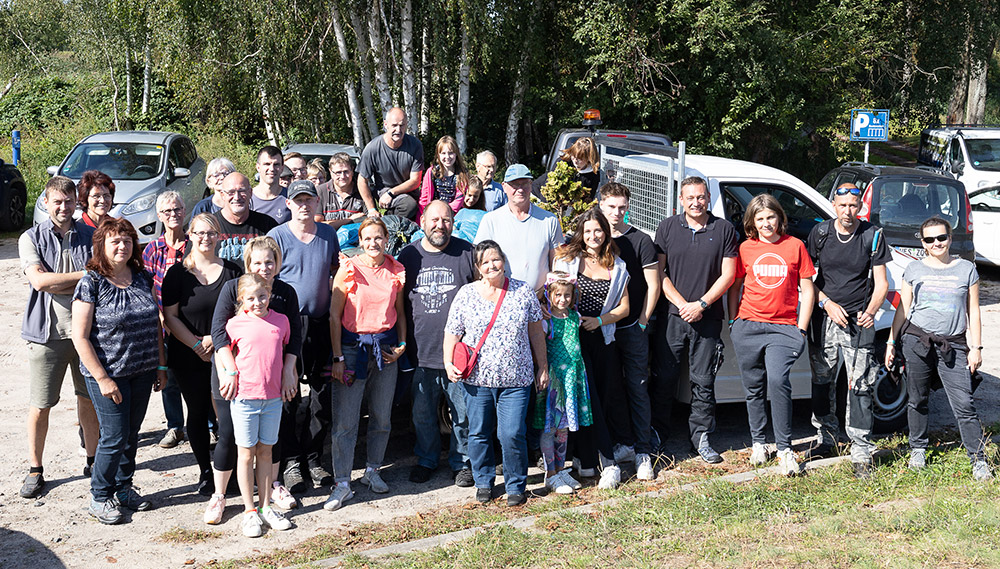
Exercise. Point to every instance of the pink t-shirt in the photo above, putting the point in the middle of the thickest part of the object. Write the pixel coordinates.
(370, 306)
(259, 347)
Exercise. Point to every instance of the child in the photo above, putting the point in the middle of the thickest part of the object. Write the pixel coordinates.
(258, 338)
(446, 179)
(565, 405)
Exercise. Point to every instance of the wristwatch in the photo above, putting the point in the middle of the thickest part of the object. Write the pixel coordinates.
(703, 304)
(822, 302)
(338, 359)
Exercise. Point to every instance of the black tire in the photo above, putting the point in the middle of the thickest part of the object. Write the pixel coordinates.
(12, 212)
(888, 394)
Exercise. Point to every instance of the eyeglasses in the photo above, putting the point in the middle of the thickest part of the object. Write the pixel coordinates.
(204, 234)
(222, 174)
(172, 211)
(338, 173)
(845, 191)
(939, 238)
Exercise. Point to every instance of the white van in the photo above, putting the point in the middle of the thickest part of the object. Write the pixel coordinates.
(971, 154)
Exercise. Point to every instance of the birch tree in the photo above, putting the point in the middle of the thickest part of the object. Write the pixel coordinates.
(409, 71)
(357, 124)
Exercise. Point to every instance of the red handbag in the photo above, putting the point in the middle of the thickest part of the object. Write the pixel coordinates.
(463, 357)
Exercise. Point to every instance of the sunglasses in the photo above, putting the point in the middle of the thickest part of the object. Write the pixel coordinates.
(940, 238)
(845, 191)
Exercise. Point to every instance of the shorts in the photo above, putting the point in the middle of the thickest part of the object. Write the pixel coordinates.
(47, 365)
(255, 421)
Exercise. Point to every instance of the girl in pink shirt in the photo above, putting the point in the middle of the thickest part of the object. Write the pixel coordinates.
(258, 339)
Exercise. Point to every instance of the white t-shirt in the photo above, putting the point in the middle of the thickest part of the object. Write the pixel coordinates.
(526, 244)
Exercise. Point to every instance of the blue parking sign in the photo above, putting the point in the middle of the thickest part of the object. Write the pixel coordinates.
(870, 125)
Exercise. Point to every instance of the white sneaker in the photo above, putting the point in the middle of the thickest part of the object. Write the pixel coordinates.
(274, 519)
(583, 472)
(341, 493)
(216, 505)
(567, 475)
(758, 455)
(281, 497)
(611, 477)
(644, 467)
(252, 525)
(556, 483)
(373, 480)
(624, 453)
(788, 464)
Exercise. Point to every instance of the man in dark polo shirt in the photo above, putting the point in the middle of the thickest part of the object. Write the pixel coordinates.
(697, 256)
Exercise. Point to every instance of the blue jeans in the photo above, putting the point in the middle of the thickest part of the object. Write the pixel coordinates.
(503, 409)
(114, 463)
(428, 386)
(172, 406)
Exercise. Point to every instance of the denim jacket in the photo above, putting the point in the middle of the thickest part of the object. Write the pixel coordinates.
(36, 325)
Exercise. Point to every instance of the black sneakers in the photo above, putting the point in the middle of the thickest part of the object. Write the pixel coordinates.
(33, 484)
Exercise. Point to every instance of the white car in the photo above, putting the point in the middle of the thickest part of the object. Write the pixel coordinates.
(986, 207)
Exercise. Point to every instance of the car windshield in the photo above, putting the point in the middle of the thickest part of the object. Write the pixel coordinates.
(984, 153)
(905, 204)
(119, 160)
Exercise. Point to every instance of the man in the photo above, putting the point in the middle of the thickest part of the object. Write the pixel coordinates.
(296, 164)
(436, 267)
(238, 223)
(53, 256)
(850, 257)
(340, 203)
(309, 258)
(639, 254)
(268, 195)
(697, 259)
(493, 194)
(391, 168)
(527, 234)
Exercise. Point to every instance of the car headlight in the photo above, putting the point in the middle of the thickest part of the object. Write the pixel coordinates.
(40, 204)
(139, 204)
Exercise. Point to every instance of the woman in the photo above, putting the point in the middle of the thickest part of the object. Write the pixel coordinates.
(602, 280)
(261, 256)
(499, 387)
(96, 196)
(158, 256)
(446, 179)
(190, 292)
(215, 173)
(773, 272)
(316, 173)
(582, 155)
(116, 331)
(368, 335)
(937, 329)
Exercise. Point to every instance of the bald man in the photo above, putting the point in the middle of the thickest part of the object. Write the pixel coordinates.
(238, 223)
(390, 169)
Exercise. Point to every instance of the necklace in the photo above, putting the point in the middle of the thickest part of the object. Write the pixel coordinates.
(849, 237)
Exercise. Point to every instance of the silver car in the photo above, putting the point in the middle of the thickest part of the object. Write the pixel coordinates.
(142, 164)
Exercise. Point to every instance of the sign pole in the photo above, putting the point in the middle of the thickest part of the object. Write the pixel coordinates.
(866, 150)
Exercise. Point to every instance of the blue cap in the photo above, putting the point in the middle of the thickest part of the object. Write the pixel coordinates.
(516, 172)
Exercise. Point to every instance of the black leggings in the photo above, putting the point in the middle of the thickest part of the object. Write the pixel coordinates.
(195, 384)
(225, 449)
(588, 441)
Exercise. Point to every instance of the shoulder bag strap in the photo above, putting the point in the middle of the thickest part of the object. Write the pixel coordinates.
(503, 292)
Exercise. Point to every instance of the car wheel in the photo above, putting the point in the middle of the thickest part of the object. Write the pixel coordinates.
(12, 210)
(889, 401)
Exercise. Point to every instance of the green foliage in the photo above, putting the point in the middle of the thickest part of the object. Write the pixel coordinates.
(565, 196)
(37, 103)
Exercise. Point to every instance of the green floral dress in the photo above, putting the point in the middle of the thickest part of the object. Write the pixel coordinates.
(566, 402)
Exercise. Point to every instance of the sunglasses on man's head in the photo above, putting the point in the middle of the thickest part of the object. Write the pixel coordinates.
(942, 238)
(845, 191)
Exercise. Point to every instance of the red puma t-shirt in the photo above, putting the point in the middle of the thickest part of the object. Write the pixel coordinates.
(772, 272)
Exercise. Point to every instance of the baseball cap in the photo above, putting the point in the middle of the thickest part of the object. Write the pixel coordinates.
(516, 172)
(301, 187)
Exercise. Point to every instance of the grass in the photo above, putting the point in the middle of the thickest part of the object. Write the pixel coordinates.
(181, 535)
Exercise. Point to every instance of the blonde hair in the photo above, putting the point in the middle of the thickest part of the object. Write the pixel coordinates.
(247, 284)
(262, 243)
(208, 219)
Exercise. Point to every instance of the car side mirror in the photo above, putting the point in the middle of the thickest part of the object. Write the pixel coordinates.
(52, 170)
(181, 172)
(957, 167)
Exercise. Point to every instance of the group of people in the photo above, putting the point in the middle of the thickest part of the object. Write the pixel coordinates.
(273, 338)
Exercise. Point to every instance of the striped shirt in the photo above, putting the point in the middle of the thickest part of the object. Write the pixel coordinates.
(157, 257)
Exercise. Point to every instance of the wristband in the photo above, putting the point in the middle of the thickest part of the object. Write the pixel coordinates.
(731, 322)
(162, 368)
(401, 345)
(642, 326)
(890, 343)
(231, 373)
(196, 344)
(599, 321)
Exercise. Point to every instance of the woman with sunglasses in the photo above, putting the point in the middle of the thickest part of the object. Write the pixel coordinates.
(937, 328)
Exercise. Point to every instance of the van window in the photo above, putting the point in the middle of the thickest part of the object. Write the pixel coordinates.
(905, 204)
(825, 186)
(984, 153)
(956, 151)
(801, 215)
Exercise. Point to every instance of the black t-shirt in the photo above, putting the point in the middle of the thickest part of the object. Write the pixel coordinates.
(195, 305)
(432, 281)
(233, 237)
(694, 258)
(842, 268)
(637, 250)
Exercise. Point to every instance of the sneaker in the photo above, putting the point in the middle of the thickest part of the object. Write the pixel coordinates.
(106, 512)
(172, 438)
(33, 484)
(709, 455)
(281, 497)
(274, 519)
(88, 470)
(484, 495)
(252, 525)
(644, 467)
(293, 479)
(464, 478)
(556, 483)
(788, 465)
(216, 505)
(132, 500)
(568, 477)
(341, 493)
(611, 477)
(821, 450)
(516, 499)
(981, 471)
(862, 470)
(420, 474)
(758, 455)
(206, 484)
(373, 480)
(918, 459)
(583, 472)
(320, 476)
(624, 453)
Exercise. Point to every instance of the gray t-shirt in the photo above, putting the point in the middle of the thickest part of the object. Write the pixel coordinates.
(386, 167)
(60, 309)
(275, 208)
(526, 244)
(940, 295)
(307, 266)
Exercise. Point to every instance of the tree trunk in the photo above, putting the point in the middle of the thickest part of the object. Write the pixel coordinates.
(378, 57)
(975, 107)
(354, 116)
(128, 85)
(516, 104)
(147, 75)
(425, 86)
(265, 110)
(361, 37)
(409, 72)
(462, 111)
(114, 85)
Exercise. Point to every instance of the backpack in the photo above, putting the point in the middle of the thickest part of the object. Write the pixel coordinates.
(870, 238)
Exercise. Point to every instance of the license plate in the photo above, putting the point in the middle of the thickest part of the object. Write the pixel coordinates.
(918, 253)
